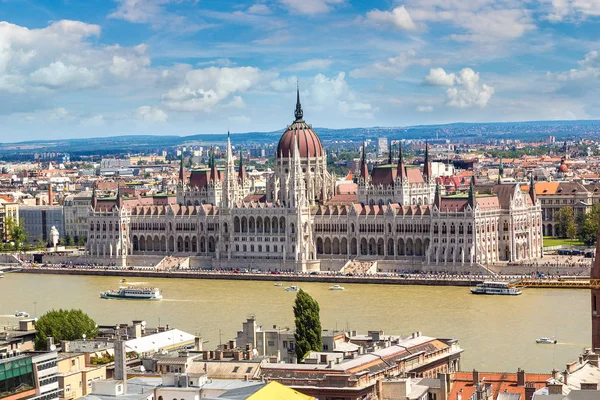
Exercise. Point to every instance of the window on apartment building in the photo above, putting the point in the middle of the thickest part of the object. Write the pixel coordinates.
(72, 363)
(89, 383)
(79, 384)
(270, 343)
(68, 389)
(235, 369)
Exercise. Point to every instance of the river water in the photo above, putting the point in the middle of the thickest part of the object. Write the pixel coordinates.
(497, 332)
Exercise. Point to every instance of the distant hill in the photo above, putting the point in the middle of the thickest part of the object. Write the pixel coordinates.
(466, 132)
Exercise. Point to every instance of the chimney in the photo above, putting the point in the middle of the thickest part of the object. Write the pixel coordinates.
(475, 377)
(232, 344)
(121, 363)
(205, 354)
(529, 390)
(565, 377)
(218, 355)
(554, 374)
(50, 195)
(49, 343)
(198, 343)
(520, 377)
(555, 388)
(330, 363)
(323, 359)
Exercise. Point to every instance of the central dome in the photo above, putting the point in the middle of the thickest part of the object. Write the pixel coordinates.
(309, 144)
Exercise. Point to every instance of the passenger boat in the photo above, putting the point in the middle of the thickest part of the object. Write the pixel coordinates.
(292, 288)
(336, 287)
(501, 288)
(279, 284)
(545, 340)
(122, 281)
(21, 314)
(132, 293)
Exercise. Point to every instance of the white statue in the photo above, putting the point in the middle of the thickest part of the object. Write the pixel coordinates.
(54, 236)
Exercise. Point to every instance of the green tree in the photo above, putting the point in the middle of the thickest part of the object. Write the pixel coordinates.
(39, 243)
(566, 223)
(17, 232)
(69, 241)
(308, 325)
(588, 230)
(63, 325)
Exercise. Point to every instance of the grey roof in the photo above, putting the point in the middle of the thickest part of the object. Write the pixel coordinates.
(508, 396)
(242, 393)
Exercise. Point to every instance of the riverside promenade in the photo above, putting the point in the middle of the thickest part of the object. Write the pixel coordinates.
(425, 279)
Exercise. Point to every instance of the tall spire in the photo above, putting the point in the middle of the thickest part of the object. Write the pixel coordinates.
(242, 171)
(532, 189)
(390, 153)
(364, 171)
(472, 199)
(400, 170)
(426, 165)
(119, 198)
(214, 173)
(94, 198)
(181, 171)
(437, 199)
(298, 113)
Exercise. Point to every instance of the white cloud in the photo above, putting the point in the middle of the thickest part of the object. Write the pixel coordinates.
(259, 9)
(95, 120)
(425, 108)
(138, 11)
(334, 93)
(151, 114)
(393, 66)
(207, 88)
(58, 75)
(59, 113)
(239, 119)
(399, 17)
(468, 92)
(481, 21)
(589, 69)
(559, 10)
(311, 7)
(315, 63)
(439, 77)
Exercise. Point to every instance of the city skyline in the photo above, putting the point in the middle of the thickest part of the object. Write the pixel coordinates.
(165, 67)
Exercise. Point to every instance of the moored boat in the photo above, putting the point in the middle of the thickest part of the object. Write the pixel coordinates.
(336, 287)
(132, 293)
(545, 340)
(279, 284)
(21, 314)
(500, 288)
(292, 288)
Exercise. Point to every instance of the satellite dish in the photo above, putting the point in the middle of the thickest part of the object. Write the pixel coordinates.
(53, 347)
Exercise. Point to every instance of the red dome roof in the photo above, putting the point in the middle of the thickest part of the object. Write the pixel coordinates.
(309, 143)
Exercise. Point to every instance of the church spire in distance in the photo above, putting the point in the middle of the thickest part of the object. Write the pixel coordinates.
(298, 113)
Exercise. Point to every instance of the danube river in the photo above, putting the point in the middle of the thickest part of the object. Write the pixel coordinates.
(497, 332)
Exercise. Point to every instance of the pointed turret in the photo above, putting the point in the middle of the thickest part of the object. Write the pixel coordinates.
(472, 198)
(119, 198)
(501, 167)
(427, 165)
(532, 189)
(437, 200)
(214, 173)
(364, 170)
(298, 112)
(390, 162)
(400, 170)
(181, 182)
(94, 198)
(242, 176)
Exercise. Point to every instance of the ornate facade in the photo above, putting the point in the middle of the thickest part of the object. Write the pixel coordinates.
(399, 219)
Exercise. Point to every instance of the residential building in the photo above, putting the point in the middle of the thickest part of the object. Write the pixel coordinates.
(30, 375)
(76, 211)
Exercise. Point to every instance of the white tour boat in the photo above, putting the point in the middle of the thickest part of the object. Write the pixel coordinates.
(336, 287)
(502, 288)
(21, 314)
(292, 288)
(278, 284)
(132, 293)
(545, 340)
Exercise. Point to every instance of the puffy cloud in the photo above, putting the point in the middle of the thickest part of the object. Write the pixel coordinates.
(468, 92)
(204, 89)
(151, 114)
(95, 120)
(589, 69)
(311, 7)
(259, 9)
(58, 75)
(393, 66)
(439, 77)
(328, 93)
(315, 63)
(59, 113)
(559, 10)
(425, 108)
(398, 17)
(138, 11)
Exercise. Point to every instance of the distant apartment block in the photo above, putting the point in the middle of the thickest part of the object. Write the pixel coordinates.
(39, 220)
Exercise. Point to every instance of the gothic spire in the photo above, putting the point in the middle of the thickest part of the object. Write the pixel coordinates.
(298, 113)
(242, 171)
(390, 154)
(181, 171)
(119, 198)
(400, 170)
(94, 198)
(500, 170)
(364, 171)
(472, 199)
(427, 165)
(532, 189)
(437, 200)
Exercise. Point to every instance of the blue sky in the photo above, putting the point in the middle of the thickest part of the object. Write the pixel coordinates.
(73, 68)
